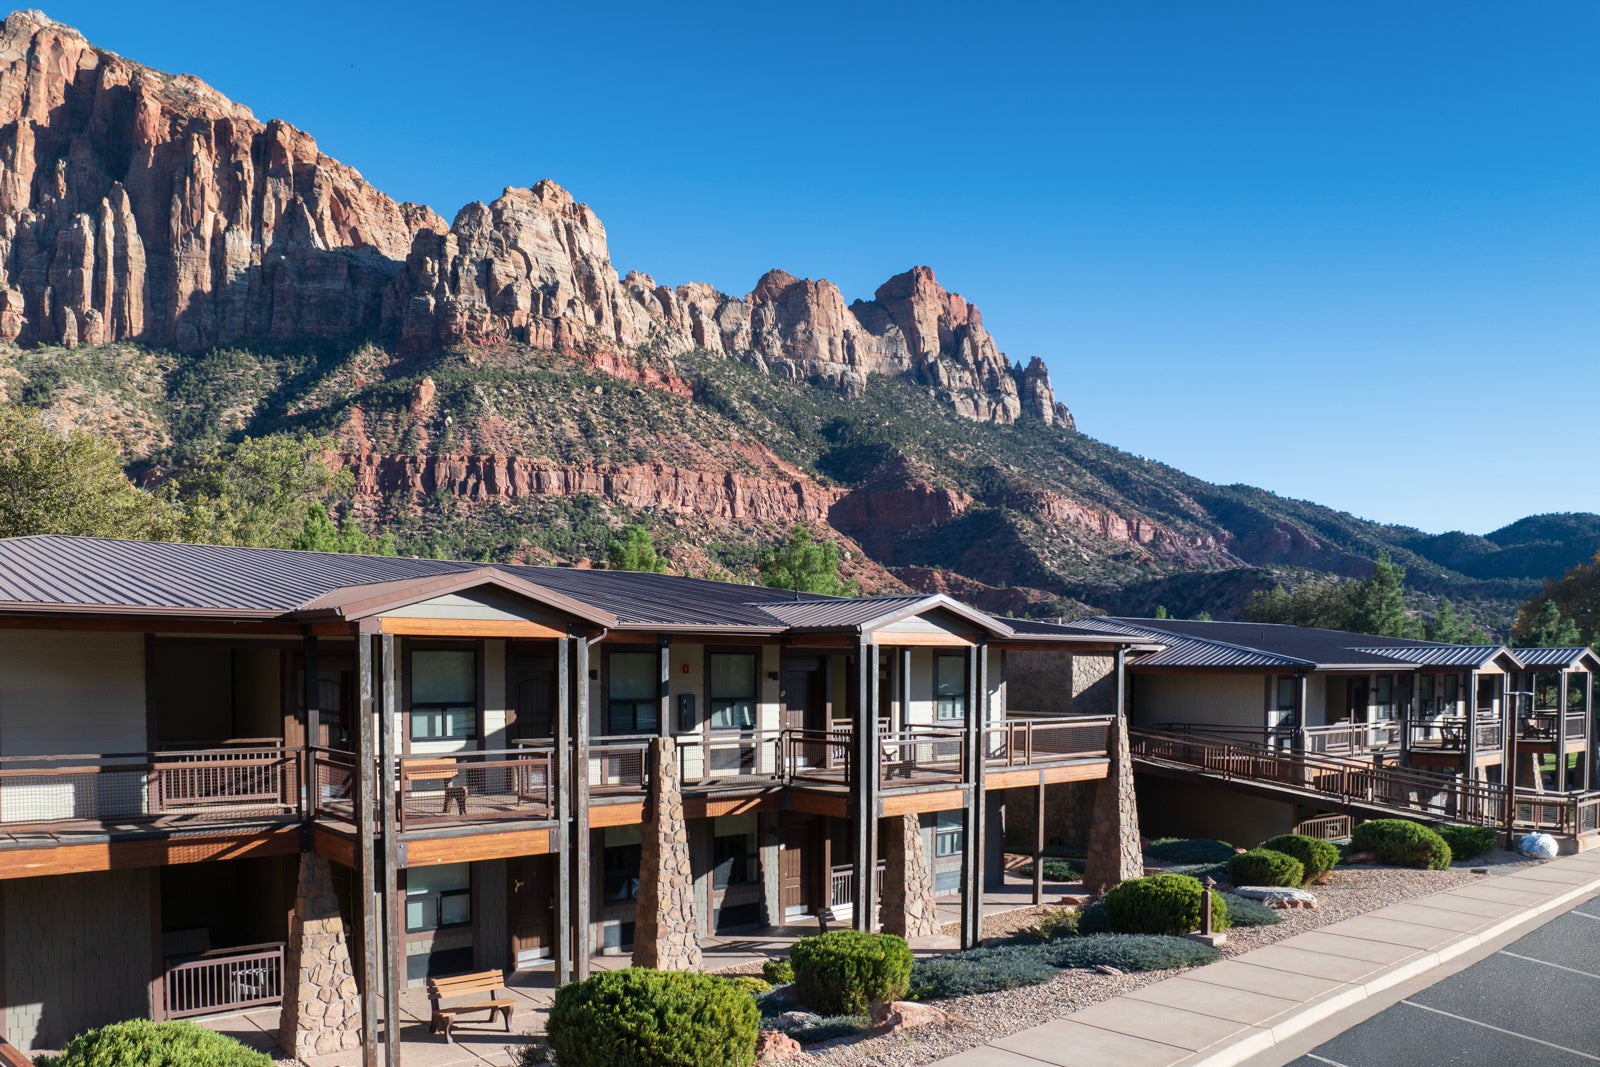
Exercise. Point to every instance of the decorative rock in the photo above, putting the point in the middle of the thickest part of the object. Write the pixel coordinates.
(906, 1015)
(1106, 968)
(775, 1047)
(1277, 896)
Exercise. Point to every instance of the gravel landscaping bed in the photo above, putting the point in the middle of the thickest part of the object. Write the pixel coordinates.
(1348, 892)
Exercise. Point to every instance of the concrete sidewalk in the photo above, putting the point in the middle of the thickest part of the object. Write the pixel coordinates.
(1225, 1013)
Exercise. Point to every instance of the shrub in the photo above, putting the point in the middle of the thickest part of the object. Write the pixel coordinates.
(1092, 919)
(171, 1044)
(1402, 843)
(778, 971)
(1161, 904)
(1262, 866)
(1242, 911)
(1189, 850)
(653, 1019)
(756, 987)
(1468, 842)
(1055, 871)
(1128, 952)
(843, 972)
(1062, 922)
(980, 970)
(830, 1027)
(1315, 855)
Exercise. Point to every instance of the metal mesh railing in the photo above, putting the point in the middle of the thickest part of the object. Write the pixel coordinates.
(921, 754)
(475, 786)
(617, 765)
(1027, 742)
(729, 759)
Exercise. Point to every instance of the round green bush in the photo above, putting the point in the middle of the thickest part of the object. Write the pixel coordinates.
(1402, 843)
(1468, 842)
(1263, 866)
(756, 987)
(653, 1019)
(1161, 904)
(778, 971)
(844, 971)
(140, 1042)
(1315, 855)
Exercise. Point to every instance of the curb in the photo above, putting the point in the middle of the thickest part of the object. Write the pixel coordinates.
(1298, 1020)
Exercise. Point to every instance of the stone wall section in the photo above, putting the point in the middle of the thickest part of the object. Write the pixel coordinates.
(908, 893)
(665, 934)
(321, 1002)
(1114, 853)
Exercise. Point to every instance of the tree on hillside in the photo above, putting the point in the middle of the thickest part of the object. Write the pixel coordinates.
(1576, 596)
(257, 492)
(64, 481)
(1450, 627)
(635, 551)
(319, 534)
(805, 566)
(1547, 629)
(1374, 606)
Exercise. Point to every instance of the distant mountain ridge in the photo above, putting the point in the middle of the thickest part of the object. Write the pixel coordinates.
(174, 272)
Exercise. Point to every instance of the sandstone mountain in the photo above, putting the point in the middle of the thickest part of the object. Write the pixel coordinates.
(176, 272)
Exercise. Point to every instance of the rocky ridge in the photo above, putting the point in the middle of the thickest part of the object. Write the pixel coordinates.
(137, 205)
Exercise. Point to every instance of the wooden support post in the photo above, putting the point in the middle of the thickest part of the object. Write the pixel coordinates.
(1561, 731)
(371, 916)
(563, 770)
(1038, 843)
(1588, 731)
(311, 725)
(580, 812)
(664, 716)
(972, 775)
(392, 932)
(864, 787)
(905, 686)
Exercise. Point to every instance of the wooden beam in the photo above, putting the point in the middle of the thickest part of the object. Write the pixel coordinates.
(580, 813)
(491, 628)
(336, 847)
(472, 848)
(52, 857)
(1022, 777)
(805, 802)
(972, 822)
(1038, 844)
(392, 930)
(628, 813)
(952, 799)
(561, 839)
(864, 786)
(367, 889)
(716, 807)
(890, 639)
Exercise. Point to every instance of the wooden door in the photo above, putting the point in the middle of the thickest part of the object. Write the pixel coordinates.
(531, 908)
(531, 682)
(796, 838)
(804, 709)
(1359, 697)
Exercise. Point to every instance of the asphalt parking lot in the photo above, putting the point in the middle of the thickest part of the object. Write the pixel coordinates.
(1536, 1001)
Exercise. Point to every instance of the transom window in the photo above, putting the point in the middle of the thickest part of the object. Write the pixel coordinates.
(633, 695)
(444, 694)
(949, 834)
(732, 690)
(950, 687)
(438, 897)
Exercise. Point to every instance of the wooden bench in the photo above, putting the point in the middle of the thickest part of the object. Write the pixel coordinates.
(442, 771)
(488, 990)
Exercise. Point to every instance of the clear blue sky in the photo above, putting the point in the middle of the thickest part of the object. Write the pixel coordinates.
(1348, 251)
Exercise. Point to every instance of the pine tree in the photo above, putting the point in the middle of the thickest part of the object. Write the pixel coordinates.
(635, 551)
(804, 565)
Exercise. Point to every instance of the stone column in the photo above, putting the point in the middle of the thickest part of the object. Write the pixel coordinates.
(321, 1005)
(1114, 854)
(664, 926)
(908, 905)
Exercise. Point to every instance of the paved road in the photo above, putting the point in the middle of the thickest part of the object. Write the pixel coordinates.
(1536, 1001)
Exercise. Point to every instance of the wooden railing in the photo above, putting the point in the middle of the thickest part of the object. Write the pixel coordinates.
(1031, 741)
(235, 782)
(1448, 798)
(842, 885)
(1326, 827)
(618, 764)
(727, 759)
(476, 786)
(921, 755)
(227, 979)
(819, 756)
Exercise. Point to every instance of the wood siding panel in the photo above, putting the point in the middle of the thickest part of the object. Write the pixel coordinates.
(428, 852)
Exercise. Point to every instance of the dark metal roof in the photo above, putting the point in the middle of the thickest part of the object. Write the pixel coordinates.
(665, 601)
(1026, 629)
(1554, 657)
(1253, 645)
(1436, 655)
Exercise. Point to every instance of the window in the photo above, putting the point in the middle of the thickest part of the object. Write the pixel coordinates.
(1425, 693)
(733, 690)
(1288, 692)
(1383, 698)
(949, 834)
(634, 692)
(619, 880)
(950, 687)
(734, 860)
(437, 897)
(444, 694)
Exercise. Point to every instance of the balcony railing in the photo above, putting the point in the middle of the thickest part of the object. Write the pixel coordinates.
(1032, 741)
(476, 786)
(230, 783)
(842, 885)
(1448, 733)
(821, 757)
(227, 979)
(921, 755)
(617, 764)
(729, 759)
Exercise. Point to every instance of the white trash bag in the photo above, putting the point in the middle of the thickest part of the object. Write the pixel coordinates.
(1539, 846)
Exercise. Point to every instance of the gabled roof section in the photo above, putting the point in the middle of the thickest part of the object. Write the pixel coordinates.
(1197, 645)
(364, 601)
(1577, 658)
(865, 614)
(1437, 655)
(1080, 633)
